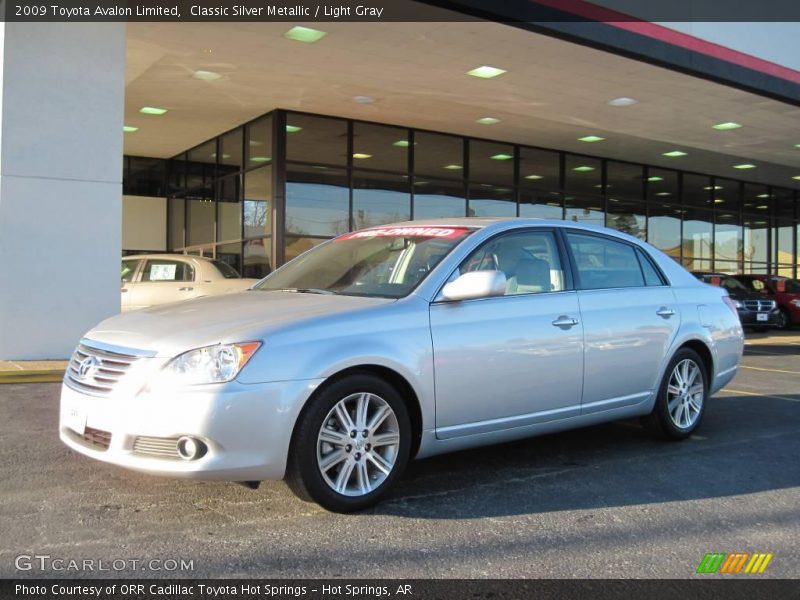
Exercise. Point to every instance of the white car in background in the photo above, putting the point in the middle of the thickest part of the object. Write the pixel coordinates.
(151, 279)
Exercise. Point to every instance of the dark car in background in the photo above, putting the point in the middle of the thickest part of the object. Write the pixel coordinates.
(784, 290)
(755, 309)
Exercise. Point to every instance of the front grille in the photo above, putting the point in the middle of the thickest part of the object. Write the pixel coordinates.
(96, 439)
(156, 447)
(759, 305)
(104, 371)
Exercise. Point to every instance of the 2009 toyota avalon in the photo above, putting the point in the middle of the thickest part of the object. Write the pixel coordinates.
(403, 341)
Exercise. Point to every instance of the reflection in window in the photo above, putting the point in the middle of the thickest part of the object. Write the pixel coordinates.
(316, 139)
(540, 169)
(662, 185)
(583, 175)
(584, 210)
(231, 255)
(229, 209)
(200, 226)
(176, 223)
(230, 154)
(627, 216)
(434, 199)
(624, 181)
(259, 142)
(755, 239)
(296, 245)
(603, 263)
(258, 202)
(317, 201)
(491, 162)
(697, 240)
(487, 200)
(727, 243)
(257, 259)
(380, 147)
(727, 194)
(664, 229)
(379, 199)
(437, 155)
(697, 190)
(540, 204)
(200, 165)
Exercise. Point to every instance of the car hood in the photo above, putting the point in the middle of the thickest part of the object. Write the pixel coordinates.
(746, 295)
(169, 329)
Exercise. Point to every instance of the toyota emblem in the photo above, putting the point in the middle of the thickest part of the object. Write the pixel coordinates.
(88, 367)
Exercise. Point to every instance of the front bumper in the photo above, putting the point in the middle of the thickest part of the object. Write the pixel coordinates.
(246, 428)
(750, 318)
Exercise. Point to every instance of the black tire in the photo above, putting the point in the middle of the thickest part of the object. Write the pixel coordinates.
(303, 473)
(659, 421)
(784, 320)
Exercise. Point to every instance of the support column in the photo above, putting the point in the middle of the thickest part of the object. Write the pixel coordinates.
(63, 94)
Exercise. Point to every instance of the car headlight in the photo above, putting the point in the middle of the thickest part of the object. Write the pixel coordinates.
(736, 303)
(210, 364)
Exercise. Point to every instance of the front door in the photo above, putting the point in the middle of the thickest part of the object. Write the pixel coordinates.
(511, 360)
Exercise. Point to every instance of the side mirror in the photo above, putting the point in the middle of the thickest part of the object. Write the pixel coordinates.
(476, 284)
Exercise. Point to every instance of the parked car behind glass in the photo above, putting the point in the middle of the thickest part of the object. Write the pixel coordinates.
(785, 292)
(755, 310)
(403, 341)
(151, 279)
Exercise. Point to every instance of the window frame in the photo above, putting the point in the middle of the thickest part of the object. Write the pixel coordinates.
(637, 251)
(566, 267)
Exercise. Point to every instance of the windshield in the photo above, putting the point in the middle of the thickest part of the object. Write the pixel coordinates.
(383, 262)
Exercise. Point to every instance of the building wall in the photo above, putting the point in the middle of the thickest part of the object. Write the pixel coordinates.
(144, 223)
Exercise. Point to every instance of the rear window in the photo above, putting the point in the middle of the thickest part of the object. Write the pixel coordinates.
(227, 271)
(604, 263)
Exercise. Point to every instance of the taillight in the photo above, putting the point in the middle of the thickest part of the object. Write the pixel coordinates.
(731, 304)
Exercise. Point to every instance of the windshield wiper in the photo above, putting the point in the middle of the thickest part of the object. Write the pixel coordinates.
(307, 291)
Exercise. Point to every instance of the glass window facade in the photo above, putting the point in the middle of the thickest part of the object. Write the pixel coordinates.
(265, 192)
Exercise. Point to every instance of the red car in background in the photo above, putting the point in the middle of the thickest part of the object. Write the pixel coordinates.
(785, 291)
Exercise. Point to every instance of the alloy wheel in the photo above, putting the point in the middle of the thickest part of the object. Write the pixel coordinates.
(685, 393)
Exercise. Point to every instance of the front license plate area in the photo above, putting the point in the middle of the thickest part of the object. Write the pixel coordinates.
(75, 419)
(762, 317)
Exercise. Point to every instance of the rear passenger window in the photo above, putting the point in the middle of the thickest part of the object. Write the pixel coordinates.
(604, 263)
(651, 274)
(167, 270)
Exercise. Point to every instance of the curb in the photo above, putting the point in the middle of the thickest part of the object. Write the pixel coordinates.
(32, 376)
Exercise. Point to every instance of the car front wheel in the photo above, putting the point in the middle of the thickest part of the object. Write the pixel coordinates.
(784, 319)
(682, 395)
(350, 445)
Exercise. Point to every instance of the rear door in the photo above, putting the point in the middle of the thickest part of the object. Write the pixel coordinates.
(630, 317)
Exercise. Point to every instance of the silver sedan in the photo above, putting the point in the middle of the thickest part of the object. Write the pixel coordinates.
(403, 341)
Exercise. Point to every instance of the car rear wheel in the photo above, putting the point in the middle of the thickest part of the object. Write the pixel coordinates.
(682, 395)
(350, 445)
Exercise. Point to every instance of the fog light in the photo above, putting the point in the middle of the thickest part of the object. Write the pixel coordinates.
(190, 448)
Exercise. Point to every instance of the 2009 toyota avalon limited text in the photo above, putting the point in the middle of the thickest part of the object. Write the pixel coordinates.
(403, 341)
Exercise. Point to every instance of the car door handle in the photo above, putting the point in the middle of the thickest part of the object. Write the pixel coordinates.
(565, 322)
(185, 289)
(665, 312)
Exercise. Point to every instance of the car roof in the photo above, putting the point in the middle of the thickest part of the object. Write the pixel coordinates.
(167, 257)
(485, 222)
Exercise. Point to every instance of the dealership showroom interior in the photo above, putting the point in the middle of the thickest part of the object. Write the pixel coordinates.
(201, 155)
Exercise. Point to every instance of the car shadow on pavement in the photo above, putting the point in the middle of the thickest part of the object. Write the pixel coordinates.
(753, 348)
(745, 445)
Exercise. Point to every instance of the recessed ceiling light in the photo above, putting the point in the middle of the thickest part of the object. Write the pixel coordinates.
(363, 99)
(655, 178)
(206, 75)
(501, 157)
(623, 101)
(259, 159)
(583, 169)
(361, 155)
(129, 128)
(591, 138)
(713, 187)
(674, 153)
(304, 34)
(224, 156)
(762, 207)
(534, 177)
(763, 196)
(256, 143)
(663, 194)
(488, 121)
(486, 72)
(796, 177)
(744, 166)
(401, 144)
(293, 129)
(718, 201)
(726, 126)
(453, 167)
(797, 145)
(152, 110)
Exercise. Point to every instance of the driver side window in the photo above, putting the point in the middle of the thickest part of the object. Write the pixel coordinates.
(529, 260)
